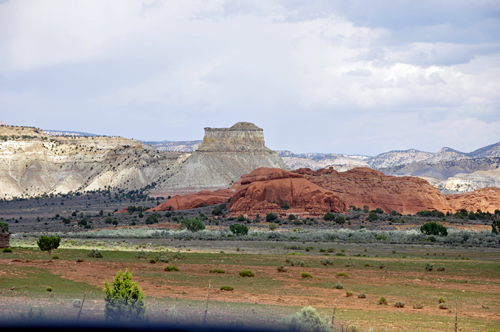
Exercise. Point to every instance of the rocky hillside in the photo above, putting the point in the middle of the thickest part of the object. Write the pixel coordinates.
(364, 186)
(444, 169)
(339, 162)
(461, 183)
(222, 158)
(33, 163)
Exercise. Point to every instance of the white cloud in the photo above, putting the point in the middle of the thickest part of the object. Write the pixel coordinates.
(329, 76)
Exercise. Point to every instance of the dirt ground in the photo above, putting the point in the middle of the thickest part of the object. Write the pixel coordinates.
(95, 272)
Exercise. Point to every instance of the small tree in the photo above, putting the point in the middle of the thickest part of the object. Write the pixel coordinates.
(285, 206)
(271, 216)
(291, 217)
(495, 226)
(372, 216)
(124, 300)
(48, 243)
(366, 208)
(194, 225)
(329, 216)
(432, 228)
(340, 220)
(238, 229)
(273, 226)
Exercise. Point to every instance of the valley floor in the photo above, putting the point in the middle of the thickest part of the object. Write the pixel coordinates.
(397, 273)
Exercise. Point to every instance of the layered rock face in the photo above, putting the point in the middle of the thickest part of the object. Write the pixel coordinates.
(485, 199)
(364, 186)
(265, 190)
(33, 163)
(222, 158)
(192, 201)
(461, 183)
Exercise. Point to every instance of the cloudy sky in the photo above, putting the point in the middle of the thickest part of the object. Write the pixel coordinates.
(357, 77)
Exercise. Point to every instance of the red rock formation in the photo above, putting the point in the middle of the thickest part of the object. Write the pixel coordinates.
(265, 189)
(191, 201)
(364, 186)
(485, 199)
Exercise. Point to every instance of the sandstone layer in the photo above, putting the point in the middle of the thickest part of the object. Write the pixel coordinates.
(364, 186)
(192, 201)
(33, 163)
(265, 190)
(222, 158)
(485, 199)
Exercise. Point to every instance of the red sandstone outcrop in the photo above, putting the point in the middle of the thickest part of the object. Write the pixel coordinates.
(192, 201)
(364, 186)
(265, 190)
(485, 199)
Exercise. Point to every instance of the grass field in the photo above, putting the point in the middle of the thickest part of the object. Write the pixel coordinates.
(263, 300)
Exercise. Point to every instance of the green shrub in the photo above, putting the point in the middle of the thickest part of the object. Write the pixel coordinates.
(348, 294)
(55, 257)
(443, 306)
(307, 320)
(326, 261)
(340, 254)
(298, 263)
(4, 225)
(362, 296)
(226, 288)
(340, 220)
(217, 271)
(48, 243)
(238, 229)
(338, 285)
(80, 260)
(329, 216)
(381, 266)
(418, 306)
(429, 266)
(49, 289)
(372, 216)
(246, 273)
(152, 261)
(441, 268)
(281, 268)
(271, 216)
(432, 228)
(7, 250)
(330, 249)
(171, 268)
(162, 257)
(273, 226)
(285, 206)
(342, 275)
(382, 300)
(441, 300)
(178, 256)
(399, 304)
(306, 275)
(124, 299)
(241, 218)
(193, 225)
(141, 255)
(95, 253)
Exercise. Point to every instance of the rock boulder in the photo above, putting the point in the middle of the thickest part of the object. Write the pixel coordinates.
(485, 199)
(192, 201)
(265, 190)
(364, 186)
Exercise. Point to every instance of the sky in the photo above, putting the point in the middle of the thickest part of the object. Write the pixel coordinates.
(331, 76)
